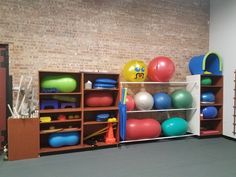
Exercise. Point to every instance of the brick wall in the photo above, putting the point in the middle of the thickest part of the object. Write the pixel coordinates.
(74, 35)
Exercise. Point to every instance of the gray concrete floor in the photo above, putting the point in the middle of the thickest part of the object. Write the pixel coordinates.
(190, 157)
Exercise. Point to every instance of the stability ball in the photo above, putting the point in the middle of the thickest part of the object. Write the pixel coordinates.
(143, 100)
(181, 98)
(209, 112)
(135, 71)
(206, 81)
(130, 104)
(208, 97)
(162, 100)
(174, 126)
(161, 69)
(142, 128)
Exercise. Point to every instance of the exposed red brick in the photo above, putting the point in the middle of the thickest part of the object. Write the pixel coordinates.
(101, 35)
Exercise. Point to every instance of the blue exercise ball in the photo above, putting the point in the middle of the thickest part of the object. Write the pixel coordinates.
(209, 112)
(162, 100)
(174, 126)
(207, 97)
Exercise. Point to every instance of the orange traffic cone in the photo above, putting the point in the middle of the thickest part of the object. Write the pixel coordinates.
(110, 139)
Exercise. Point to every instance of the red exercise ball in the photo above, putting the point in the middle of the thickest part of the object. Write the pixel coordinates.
(142, 128)
(161, 69)
(130, 104)
(99, 99)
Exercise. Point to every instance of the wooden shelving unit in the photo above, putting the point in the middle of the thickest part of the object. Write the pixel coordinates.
(90, 125)
(56, 125)
(85, 121)
(213, 126)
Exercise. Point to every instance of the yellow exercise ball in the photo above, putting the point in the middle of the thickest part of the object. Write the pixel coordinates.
(135, 71)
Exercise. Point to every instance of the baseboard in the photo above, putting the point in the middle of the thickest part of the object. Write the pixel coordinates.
(229, 138)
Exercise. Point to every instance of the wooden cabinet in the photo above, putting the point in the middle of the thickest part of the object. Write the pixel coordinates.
(23, 138)
(64, 109)
(211, 124)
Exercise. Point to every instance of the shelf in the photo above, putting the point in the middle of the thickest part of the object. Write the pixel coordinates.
(210, 75)
(211, 86)
(161, 110)
(65, 148)
(104, 144)
(101, 89)
(100, 108)
(100, 144)
(210, 133)
(214, 119)
(61, 121)
(159, 138)
(211, 104)
(96, 122)
(59, 130)
(161, 83)
(71, 93)
(60, 110)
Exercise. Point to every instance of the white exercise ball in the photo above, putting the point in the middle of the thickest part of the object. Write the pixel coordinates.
(143, 100)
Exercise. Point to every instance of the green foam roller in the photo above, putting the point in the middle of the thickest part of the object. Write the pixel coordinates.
(206, 81)
(63, 83)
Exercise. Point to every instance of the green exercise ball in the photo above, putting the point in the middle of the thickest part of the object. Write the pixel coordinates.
(181, 99)
(174, 126)
(63, 83)
(206, 81)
